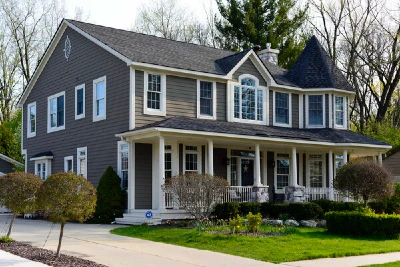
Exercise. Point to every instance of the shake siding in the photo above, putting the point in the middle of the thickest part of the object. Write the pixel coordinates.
(249, 68)
(295, 111)
(86, 63)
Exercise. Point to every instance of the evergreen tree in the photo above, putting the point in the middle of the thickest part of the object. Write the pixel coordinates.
(109, 198)
(246, 23)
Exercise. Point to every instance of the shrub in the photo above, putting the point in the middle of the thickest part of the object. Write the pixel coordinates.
(329, 205)
(235, 224)
(109, 198)
(366, 179)
(305, 211)
(325, 204)
(246, 207)
(253, 222)
(363, 224)
(198, 194)
(18, 192)
(64, 197)
(6, 239)
(273, 210)
(226, 210)
(385, 206)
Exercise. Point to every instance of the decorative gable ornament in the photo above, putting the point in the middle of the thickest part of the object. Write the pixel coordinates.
(67, 48)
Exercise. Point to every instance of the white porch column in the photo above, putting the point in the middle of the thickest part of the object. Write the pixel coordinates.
(161, 172)
(210, 157)
(330, 177)
(380, 158)
(294, 166)
(257, 174)
(344, 157)
(131, 177)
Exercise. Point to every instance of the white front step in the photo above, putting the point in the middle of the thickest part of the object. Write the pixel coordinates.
(137, 217)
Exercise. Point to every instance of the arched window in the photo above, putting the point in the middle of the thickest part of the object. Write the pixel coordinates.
(248, 99)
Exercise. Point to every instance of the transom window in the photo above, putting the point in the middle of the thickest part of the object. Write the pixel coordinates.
(99, 99)
(56, 112)
(339, 111)
(80, 101)
(282, 108)
(316, 172)
(31, 120)
(282, 170)
(206, 99)
(191, 159)
(315, 110)
(248, 101)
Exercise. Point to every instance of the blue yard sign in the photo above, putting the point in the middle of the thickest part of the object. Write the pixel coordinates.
(149, 214)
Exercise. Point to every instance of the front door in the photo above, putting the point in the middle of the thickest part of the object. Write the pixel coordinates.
(247, 171)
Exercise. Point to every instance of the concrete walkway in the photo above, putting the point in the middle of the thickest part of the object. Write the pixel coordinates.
(93, 242)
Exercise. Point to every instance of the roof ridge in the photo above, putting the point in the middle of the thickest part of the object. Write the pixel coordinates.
(145, 34)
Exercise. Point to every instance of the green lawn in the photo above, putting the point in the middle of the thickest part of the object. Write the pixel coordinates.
(390, 264)
(304, 244)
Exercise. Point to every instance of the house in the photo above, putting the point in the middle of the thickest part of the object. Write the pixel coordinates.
(7, 165)
(153, 108)
(392, 162)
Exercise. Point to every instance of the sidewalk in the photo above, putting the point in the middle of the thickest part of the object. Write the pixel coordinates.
(8, 259)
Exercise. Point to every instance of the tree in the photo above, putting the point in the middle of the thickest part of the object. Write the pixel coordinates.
(198, 194)
(10, 136)
(109, 198)
(18, 192)
(366, 179)
(246, 23)
(64, 197)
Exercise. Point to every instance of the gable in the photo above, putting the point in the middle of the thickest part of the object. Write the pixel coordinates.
(248, 67)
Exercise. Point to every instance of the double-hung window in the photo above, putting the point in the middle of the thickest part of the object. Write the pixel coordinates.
(282, 109)
(282, 170)
(315, 111)
(31, 120)
(192, 159)
(168, 162)
(340, 111)
(206, 99)
(80, 101)
(154, 94)
(56, 112)
(315, 162)
(123, 159)
(99, 98)
(248, 101)
(81, 161)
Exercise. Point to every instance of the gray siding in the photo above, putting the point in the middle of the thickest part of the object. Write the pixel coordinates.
(221, 101)
(86, 63)
(249, 68)
(393, 164)
(295, 111)
(5, 166)
(219, 165)
(143, 176)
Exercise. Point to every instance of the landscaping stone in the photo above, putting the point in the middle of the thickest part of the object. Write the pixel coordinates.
(308, 223)
(275, 222)
(321, 224)
(291, 223)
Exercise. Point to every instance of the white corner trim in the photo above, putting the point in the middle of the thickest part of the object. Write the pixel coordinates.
(323, 112)
(95, 82)
(30, 134)
(214, 101)
(132, 104)
(289, 124)
(163, 101)
(80, 116)
(24, 153)
(59, 128)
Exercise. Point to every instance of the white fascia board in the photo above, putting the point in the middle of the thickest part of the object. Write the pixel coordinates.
(157, 131)
(312, 90)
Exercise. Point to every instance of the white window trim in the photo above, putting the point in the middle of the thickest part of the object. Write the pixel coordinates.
(290, 110)
(66, 159)
(199, 156)
(323, 112)
(308, 169)
(119, 158)
(232, 97)
(28, 121)
(163, 100)
(214, 95)
(281, 191)
(54, 129)
(78, 165)
(48, 167)
(344, 126)
(96, 81)
(80, 116)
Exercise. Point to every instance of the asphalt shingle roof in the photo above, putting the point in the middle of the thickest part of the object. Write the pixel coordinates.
(317, 135)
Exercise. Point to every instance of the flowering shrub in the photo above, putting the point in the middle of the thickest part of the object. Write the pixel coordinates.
(235, 224)
(253, 222)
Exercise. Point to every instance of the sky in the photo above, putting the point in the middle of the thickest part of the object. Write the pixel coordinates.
(122, 13)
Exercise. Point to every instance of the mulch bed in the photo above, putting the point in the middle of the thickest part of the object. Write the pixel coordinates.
(46, 256)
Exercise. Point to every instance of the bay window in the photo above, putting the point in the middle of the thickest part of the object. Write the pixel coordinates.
(315, 110)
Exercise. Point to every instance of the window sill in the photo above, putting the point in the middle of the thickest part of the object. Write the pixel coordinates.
(287, 125)
(249, 121)
(154, 112)
(207, 117)
(99, 118)
(30, 135)
(55, 129)
(78, 117)
(315, 126)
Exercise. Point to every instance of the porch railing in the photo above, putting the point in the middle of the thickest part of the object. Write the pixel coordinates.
(315, 193)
